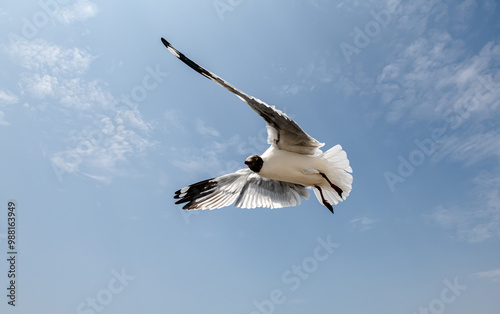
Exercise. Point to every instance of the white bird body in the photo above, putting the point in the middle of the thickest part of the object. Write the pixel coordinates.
(281, 175)
(291, 167)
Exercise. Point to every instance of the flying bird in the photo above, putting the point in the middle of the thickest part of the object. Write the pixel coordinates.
(279, 177)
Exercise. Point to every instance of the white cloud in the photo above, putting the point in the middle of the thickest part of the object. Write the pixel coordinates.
(434, 80)
(171, 121)
(79, 11)
(480, 220)
(471, 148)
(492, 275)
(196, 163)
(205, 130)
(307, 76)
(40, 86)
(211, 158)
(201, 160)
(100, 148)
(463, 224)
(56, 74)
(433, 71)
(430, 78)
(347, 86)
(8, 98)
(41, 56)
(362, 223)
(81, 94)
(133, 118)
(414, 16)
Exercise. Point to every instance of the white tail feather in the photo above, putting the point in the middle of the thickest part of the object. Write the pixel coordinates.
(339, 173)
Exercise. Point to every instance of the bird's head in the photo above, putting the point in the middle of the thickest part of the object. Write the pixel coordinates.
(254, 162)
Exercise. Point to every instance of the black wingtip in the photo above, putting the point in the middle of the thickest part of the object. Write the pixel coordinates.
(194, 192)
(165, 42)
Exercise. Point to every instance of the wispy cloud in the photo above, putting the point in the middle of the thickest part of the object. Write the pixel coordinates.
(55, 72)
(363, 223)
(211, 157)
(492, 275)
(100, 148)
(215, 155)
(477, 144)
(435, 70)
(8, 98)
(430, 81)
(79, 11)
(58, 75)
(203, 129)
(479, 220)
(171, 121)
(306, 77)
(41, 56)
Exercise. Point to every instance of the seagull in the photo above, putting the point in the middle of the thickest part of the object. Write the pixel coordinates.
(280, 176)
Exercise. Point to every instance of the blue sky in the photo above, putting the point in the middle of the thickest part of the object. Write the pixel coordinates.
(100, 124)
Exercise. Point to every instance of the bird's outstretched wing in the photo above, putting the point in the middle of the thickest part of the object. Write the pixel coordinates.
(282, 131)
(247, 188)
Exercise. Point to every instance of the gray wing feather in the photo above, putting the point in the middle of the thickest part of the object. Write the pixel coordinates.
(283, 132)
(262, 192)
(247, 188)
